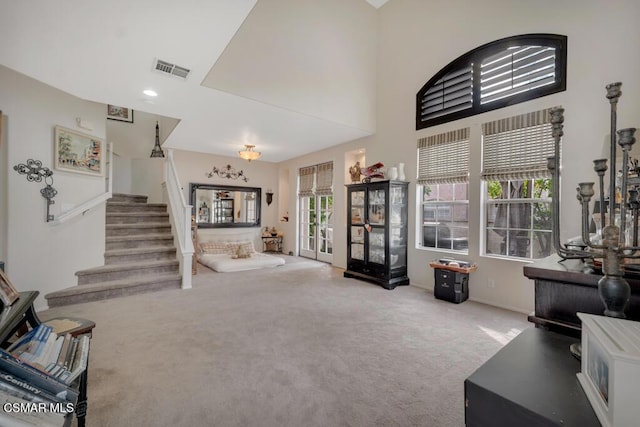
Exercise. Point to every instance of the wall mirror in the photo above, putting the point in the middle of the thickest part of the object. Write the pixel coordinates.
(223, 206)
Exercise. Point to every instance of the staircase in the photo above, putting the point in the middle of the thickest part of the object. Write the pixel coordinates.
(140, 255)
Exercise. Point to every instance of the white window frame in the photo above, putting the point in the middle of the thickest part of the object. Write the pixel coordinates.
(436, 221)
(508, 229)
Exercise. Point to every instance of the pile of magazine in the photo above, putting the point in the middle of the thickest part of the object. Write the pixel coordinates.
(37, 371)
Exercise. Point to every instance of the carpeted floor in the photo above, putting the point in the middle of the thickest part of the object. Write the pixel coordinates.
(297, 345)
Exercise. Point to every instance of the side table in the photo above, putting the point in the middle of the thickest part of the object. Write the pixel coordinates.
(272, 244)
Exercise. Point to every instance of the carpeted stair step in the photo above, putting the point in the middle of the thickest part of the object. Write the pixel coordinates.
(137, 229)
(136, 217)
(111, 272)
(113, 207)
(152, 253)
(127, 198)
(138, 241)
(113, 289)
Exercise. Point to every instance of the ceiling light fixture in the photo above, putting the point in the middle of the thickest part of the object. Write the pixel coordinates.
(150, 92)
(248, 153)
(157, 149)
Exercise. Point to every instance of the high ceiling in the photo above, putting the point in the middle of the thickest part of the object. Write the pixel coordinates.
(106, 52)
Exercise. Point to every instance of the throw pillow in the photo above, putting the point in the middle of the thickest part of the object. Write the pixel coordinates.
(240, 253)
(247, 245)
(214, 247)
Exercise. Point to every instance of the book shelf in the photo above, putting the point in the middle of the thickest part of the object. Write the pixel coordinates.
(15, 321)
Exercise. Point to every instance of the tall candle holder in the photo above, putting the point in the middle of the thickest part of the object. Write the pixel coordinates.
(615, 245)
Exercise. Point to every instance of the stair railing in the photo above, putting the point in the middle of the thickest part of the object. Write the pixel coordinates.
(180, 214)
(96, 201)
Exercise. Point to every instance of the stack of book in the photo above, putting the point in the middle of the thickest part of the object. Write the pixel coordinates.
(38, 369)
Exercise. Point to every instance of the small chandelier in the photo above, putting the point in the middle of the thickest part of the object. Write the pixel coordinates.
(157, 149)
(248, 153)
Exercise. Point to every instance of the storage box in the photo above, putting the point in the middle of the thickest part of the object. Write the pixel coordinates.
(610, 371)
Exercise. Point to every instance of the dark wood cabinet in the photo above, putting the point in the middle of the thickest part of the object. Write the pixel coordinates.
(564, 288)
(531, 381)
(377, 232)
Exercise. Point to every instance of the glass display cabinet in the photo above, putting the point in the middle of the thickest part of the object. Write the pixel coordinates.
(377, 232)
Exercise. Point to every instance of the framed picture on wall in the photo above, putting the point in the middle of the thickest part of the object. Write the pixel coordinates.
(121, 114)
(8, 293)
(77, 152)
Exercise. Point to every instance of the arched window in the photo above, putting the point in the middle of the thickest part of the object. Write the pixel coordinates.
(504, 72)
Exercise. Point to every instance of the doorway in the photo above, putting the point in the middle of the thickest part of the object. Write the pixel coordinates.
(316, 227)
(316, 212)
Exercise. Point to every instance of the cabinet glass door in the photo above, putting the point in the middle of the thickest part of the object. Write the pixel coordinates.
(377, 202)
(397, 227)
(357, 225)
(376, 245)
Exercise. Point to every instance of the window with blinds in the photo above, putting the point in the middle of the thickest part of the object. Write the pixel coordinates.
(497, 74)
(517, 186)
(443, 172)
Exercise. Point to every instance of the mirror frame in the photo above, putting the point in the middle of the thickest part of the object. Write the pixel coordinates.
(193, 187)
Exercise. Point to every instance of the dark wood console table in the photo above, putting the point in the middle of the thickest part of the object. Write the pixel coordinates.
(564, 288)
(19, 317)
(530, 382)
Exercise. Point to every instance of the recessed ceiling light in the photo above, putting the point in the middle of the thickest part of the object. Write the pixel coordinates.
(149, 92)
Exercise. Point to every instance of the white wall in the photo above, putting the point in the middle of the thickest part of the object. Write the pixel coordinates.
(147, 176)
(314, 57)
(413, 47)
(4, 189)
(41, 256)
(192, 167)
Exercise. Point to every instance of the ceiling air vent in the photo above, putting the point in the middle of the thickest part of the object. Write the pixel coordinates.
(172, 69)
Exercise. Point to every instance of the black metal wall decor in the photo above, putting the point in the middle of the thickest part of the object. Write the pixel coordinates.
(227, 172)
(36, 173)
(269, 194)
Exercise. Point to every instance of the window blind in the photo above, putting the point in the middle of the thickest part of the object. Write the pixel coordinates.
(444, 158)
(325, 179)
(451, 93)
(306, 177)
(517, 147)
(516, 70)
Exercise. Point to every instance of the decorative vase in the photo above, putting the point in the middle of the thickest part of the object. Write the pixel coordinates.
(392, 173)
(401, 176)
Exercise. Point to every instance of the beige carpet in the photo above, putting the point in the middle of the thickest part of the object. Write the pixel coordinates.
(297, 345)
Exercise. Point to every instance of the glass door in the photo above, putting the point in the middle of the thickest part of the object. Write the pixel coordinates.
(325, 228)
(377, 221)
(357, 225)
(316, 227)
(397, 227)
(308, 226)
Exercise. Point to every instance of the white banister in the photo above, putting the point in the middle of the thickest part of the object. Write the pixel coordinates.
(180, 214)
(92, 203)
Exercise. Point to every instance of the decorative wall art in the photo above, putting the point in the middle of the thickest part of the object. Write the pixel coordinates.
(227, 172)
(77, 152)
(120, 114)
(8, 293)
